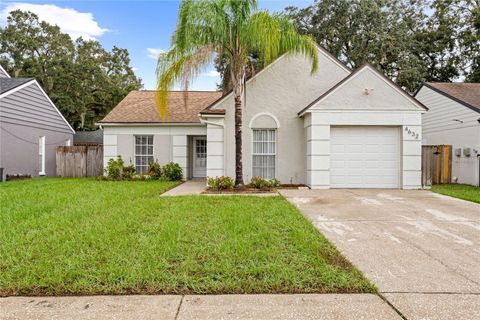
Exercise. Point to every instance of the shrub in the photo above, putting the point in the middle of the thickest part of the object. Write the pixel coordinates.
(155, 170)
(274, 183)
(172, 171)
(114, 168)
(128, 172)
(259, 183)
(221, 183)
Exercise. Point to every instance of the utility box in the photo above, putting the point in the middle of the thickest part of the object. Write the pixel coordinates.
(467, 152)
(458, 152)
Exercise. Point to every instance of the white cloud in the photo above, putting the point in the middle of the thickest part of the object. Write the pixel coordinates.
(211, 73)
(154, 52)
(76, 24)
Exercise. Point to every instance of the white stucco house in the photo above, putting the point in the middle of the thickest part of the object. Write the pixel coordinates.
(454, 119)
(337, 128)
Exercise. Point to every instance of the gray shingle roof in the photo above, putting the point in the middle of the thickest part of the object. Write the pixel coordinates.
(90, 137)
(7, 84)
(467, 94)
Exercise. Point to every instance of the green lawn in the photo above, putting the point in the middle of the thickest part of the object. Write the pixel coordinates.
(81, 236)
(462, 191)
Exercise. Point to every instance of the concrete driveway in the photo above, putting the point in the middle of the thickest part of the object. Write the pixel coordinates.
(420, 248)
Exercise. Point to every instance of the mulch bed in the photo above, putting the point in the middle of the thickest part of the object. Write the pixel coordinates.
(250, 190)
(11, 177)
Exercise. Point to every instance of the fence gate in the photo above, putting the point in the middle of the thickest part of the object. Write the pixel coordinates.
(79, 161)
(436, 164)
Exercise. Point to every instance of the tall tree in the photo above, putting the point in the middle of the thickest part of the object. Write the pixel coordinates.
(229, 30)
(411, 41)
(83, 79)
(471, 39)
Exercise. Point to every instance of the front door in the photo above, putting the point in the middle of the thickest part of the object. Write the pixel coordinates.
(199, 157)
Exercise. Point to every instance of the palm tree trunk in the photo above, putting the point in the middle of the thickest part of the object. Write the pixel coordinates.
(238, 141)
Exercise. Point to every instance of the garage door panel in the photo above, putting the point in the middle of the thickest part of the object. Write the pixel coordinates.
(337, 164)
(365, 157)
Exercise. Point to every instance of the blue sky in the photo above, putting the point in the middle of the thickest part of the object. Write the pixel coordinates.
(142, 27)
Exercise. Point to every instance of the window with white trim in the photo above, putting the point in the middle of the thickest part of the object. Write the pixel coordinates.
(264, 153)
(143, 153)
(41, 155)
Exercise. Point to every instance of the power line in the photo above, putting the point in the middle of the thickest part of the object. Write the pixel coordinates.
(28, 141)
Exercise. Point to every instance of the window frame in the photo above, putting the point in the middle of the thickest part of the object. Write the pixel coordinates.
(274, 154)
(135, 154)
(41, 155)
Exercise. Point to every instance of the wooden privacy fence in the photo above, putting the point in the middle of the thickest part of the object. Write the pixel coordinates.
(79, 161)
(436, 164)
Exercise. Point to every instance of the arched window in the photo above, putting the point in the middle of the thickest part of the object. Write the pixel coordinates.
(264, 145)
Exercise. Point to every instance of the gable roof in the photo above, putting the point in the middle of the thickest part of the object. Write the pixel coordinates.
(7, 84)
(320, 48)
(3, 73)
(351, 76)
(11, 85)
(141, 107)
(467, 94)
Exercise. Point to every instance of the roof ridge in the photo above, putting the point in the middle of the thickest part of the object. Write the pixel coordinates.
(352, 75)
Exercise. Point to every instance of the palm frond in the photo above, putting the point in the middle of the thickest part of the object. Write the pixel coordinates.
(274, 35)
(174, 67)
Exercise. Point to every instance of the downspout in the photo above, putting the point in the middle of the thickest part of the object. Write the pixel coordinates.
(209, 122)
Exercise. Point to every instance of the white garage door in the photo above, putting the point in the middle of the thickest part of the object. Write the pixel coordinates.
(365, 157)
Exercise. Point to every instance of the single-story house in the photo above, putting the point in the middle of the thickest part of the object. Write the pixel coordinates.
(31, 127)
(454, 119)
(337, 128)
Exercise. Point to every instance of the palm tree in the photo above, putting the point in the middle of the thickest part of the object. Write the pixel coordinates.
(229, 30)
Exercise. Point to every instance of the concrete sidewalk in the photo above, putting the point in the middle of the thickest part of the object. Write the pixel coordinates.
(298, 306)
(188, 188)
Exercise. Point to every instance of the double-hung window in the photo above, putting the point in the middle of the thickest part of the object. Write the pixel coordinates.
(264, 153)
(143, 153)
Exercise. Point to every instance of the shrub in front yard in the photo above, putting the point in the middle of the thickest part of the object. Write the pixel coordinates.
(114, 169)
(155, 170)
(172, 171)
(264, 184)
(221, 183)
(274, 183)
(128, 172)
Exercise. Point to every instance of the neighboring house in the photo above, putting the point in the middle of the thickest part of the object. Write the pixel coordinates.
(454, 119)
(31, 127)
(333, 129)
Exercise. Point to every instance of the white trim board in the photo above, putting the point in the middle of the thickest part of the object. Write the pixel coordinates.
(320, 49)
(4, 71)
(33, 81)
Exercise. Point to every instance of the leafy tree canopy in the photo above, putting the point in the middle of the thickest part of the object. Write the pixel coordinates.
(411, 41)
(84, 80)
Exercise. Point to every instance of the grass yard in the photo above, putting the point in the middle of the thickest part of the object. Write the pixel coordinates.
(461, 191)
(82, 236)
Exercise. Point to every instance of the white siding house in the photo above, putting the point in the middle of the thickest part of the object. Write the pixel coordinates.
(454, 119)
(333, 129)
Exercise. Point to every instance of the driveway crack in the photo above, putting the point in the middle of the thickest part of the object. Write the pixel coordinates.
(179, 306)
(392, 306)
(439, 261)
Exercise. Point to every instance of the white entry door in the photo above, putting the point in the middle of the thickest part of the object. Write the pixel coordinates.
(199, 157)
(365, 157)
